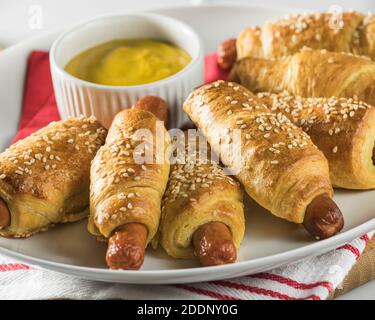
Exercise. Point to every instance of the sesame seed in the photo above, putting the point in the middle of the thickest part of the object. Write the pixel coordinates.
(267, 135)
(123, 209)
(76, 147)
(234, 102)
(229, 112)
(48, 149)
(335, 148)
(330, 132)
(137, 178)
(130, 206)
(70, 141)
(2, 176)
(274, 162)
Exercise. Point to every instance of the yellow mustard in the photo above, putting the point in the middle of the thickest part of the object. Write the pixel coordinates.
(128, 62)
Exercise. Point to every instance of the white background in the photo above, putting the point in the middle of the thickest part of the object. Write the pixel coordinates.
(16, 24)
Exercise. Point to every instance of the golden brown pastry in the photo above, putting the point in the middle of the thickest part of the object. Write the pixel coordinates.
(350, 32)
(310, 73)
(44, 178)
(202, 210)
(126, 191)
(343, 129)
(278, 164)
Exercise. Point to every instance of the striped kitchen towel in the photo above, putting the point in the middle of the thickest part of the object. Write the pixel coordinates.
(314, 278)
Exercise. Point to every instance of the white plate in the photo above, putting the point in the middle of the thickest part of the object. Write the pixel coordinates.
(269, 241)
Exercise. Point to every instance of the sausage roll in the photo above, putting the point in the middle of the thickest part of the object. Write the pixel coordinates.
(343, 129)
(350, 32)
(199, 196)
(44, 178)
(310, 73)
(279, 166)
(128, 178)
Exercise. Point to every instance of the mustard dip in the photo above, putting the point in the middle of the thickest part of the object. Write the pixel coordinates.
(128, 62)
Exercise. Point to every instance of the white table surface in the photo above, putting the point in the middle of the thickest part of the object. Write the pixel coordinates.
(19, 20)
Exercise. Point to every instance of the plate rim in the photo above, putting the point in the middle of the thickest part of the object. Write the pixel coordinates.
(148, 276)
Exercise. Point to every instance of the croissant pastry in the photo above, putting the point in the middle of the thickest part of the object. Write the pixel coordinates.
(126, 193)
(350, 32)
(279, 166)
(44, 178)
(310, 73)
(202, 210)
(343, 129)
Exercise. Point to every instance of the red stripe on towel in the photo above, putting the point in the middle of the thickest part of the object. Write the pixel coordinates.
(262, 291)
(13, 267)
(350, 248)
(365, 238)
(292, 283)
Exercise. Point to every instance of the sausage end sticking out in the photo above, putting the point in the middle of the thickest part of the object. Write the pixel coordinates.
(373, 155)
(227, 54)
(126, 247)
(323, 218)
(213, 244)
(4, 214)
(155, 105)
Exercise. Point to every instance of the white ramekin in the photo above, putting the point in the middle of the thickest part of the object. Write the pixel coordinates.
(78, 97)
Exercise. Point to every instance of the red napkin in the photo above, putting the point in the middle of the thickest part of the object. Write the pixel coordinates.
(39, 104)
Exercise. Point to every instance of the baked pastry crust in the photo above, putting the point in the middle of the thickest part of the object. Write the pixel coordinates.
(279, 166)
(122, 190)
(198, 192)
(44, 178)
(343, 129)
(310, 73)
(350, 32)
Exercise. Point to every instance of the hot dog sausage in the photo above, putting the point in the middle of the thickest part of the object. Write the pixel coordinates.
(126, 247)
(227, 54)
(213, 244)
(323, 218)
(4, 214)
(155, 105)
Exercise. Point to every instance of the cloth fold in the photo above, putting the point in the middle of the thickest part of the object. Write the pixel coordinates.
(314, 278)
